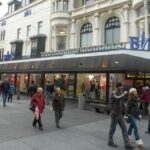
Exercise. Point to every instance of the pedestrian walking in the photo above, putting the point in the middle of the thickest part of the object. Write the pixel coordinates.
(5, 87)
(117, 117)
(47, 93)
(32, 89)
(148, 128)
(58, 105)
(38, 101)
(11, 92)
(133, 115)
(146, 98)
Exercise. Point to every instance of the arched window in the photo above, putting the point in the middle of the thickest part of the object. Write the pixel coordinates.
(112, 30)
(86, 35)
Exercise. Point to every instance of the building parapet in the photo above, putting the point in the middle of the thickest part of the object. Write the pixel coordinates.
(92, 49)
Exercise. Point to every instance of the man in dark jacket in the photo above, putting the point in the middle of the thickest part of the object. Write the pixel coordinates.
(5, 87)
(58, 105)
(32, 89)
(117, 117)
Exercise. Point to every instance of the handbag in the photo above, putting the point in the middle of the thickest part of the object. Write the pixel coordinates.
(32, 107)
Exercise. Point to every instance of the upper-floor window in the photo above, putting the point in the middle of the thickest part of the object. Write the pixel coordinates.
(2, 35)
(26, 2)
(19, 33)
(40, 27)
(87, 2)
(1, 54)
(28, 30)
(140, 11)
(112, 30)
(65, 5)
(86, 35)
(61, 37)
(59, 2)
(11, 8)
(61, 5)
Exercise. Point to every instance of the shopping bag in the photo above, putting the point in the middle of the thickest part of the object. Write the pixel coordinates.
(32, 107)
(37, 113)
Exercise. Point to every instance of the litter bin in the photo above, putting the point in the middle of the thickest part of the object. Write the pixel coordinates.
(81, 101)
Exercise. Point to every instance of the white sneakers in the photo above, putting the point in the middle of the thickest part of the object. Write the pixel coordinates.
(140, 144)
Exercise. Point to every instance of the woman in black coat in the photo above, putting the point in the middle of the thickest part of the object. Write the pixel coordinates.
(58, 105)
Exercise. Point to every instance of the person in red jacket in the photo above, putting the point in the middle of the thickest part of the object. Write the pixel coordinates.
(38, 101)
(146, 98)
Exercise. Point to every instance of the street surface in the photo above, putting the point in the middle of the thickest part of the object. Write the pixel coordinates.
(80, 129)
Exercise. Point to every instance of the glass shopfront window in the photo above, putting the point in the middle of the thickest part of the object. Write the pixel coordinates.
(22, 82)
(119, 77)
(36, 78)
(94, 86)
(64, 81)
(11, 77)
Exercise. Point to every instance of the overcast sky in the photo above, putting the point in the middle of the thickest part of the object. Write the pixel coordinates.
(3, 7)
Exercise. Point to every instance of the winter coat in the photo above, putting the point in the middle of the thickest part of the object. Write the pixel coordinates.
(39, 101)
(12, 89)
(5, 87)
(133, 108)
(117, 105)
(146, 96)
(58, 102)
(32, 89)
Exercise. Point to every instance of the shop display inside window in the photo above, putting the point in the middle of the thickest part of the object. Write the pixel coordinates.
(93, 86)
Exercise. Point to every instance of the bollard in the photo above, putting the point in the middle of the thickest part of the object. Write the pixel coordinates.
(18, 94)
(81, 101)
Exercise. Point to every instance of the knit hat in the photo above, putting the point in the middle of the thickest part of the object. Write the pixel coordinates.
(132, 90)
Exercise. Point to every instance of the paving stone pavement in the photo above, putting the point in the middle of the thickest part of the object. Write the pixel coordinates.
(80, 129)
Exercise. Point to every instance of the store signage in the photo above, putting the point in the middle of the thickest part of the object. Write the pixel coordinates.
(140, 44)
(27, 12)
(8, 57)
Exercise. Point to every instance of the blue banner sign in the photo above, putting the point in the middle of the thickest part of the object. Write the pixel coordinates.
(8, 57)
(140, 44)
(27, 12)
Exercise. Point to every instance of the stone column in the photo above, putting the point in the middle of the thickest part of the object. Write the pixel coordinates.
(96, 35)
(73, 33)
(71, 5)
(126, 23)
(146, 18)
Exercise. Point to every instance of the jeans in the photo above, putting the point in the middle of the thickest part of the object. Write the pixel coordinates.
(58, 115)
(148, 129)
(118, 119)
(133, 125)
(5, 96)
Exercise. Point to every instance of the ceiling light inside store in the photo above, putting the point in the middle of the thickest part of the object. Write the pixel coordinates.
(91, 77)
(116, 62)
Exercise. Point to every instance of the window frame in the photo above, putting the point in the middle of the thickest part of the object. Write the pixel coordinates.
(87, 29)
(111, 24)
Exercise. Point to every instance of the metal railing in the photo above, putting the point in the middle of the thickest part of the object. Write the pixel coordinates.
(82, 50)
